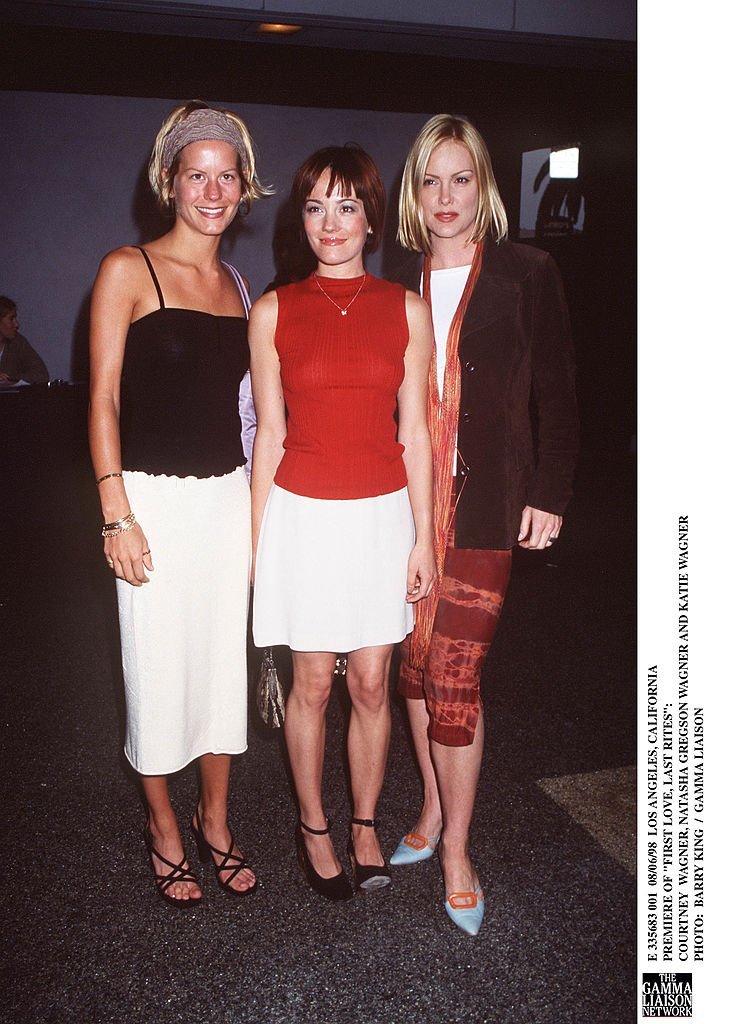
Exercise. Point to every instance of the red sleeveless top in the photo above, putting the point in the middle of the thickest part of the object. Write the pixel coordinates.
(340, 376)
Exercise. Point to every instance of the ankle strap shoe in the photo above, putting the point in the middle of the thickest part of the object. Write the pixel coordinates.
(367, 877)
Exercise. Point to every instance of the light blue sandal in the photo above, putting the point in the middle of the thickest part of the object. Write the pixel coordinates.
(413, 848)
(466, 909)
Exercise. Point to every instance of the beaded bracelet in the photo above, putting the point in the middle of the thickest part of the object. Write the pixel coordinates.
(107, 476)
(118, 526)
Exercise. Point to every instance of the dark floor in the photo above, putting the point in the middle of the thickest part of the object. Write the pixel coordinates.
(86, 938)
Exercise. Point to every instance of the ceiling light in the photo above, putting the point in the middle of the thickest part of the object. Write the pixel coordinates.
(278, 29)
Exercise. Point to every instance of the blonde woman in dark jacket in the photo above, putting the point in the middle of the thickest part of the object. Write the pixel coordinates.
(502, 340)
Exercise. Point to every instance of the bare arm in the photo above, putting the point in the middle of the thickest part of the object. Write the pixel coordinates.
(269, 405)
(413, 433)
(112, 305)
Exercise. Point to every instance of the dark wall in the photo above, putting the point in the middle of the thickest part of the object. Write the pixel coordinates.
(85, 107)
(77, 189)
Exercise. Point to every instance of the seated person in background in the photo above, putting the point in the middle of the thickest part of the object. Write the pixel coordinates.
(18, 360)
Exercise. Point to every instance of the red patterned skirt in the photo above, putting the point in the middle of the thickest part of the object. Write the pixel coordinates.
(472, 594)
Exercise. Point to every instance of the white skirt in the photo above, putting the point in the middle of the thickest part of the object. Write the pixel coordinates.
(184, 633)
(332, 575)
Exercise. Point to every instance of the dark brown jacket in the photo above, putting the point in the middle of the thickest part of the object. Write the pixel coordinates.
(515, 349)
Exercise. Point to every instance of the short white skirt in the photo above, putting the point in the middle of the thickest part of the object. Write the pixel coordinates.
(184, 633)
(332, 575)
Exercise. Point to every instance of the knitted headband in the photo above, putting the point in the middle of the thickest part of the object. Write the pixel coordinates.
(201, 125)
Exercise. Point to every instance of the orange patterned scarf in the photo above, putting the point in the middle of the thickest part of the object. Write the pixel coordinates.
(442, 416)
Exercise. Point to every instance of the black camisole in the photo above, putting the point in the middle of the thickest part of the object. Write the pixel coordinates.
(179, 407)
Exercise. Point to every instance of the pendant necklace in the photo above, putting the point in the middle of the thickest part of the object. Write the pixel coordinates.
(343, 309)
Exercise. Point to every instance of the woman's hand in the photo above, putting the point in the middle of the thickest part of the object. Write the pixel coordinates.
(129, 556)
(421, 572)
(538, 529)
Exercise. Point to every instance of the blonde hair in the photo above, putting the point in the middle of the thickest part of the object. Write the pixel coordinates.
(177, 132)
(412, 232)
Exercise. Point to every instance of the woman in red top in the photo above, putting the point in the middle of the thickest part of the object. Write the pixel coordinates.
(341, 494)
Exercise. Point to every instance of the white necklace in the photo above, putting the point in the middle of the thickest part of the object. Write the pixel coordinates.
(343, 309)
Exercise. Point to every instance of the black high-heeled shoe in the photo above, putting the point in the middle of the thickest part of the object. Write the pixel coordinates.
(336, 888)
(179, 873)
(231, 862)
(367, 876)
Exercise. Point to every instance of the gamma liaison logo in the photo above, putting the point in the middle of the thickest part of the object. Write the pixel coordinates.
(666, 995)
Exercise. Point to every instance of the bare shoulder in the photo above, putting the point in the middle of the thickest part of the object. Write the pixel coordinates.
(264, 312)
(127, 256)
(417, 310)
(117, 290)
(122, 267)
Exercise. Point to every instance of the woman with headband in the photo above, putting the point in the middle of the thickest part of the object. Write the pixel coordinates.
(345, 546)
(168, 352)
(502, 339)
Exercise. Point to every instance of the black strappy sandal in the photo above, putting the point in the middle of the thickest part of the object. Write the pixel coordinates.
(179, 873)
(336, 888)
(231, 862)
(367, 876)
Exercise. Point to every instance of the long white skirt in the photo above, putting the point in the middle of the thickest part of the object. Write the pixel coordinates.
(332, 575)
(184, 634)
